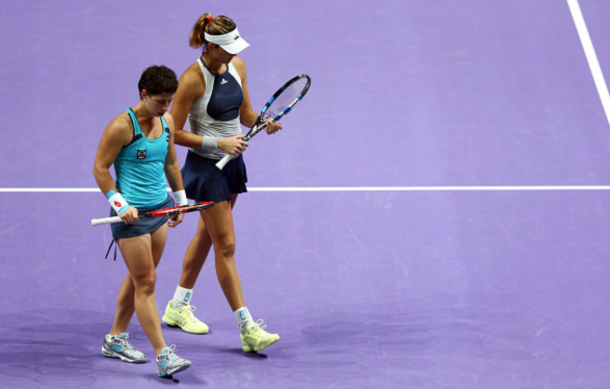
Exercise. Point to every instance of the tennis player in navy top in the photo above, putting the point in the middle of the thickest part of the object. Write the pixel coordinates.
(140, 144)
(213, 98)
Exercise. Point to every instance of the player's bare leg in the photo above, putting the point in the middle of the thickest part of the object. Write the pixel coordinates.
(141, 256)
(219, 221)
(178, 311)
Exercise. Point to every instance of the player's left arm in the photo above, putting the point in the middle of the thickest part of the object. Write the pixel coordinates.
(172, 169)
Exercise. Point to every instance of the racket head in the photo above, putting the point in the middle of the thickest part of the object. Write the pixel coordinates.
(282, 102)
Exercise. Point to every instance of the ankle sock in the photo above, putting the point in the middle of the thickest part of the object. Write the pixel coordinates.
(243, 318)
(182, 297)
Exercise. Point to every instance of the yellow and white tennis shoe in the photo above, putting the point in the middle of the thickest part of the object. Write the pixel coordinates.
(184, 318)
(255, 338)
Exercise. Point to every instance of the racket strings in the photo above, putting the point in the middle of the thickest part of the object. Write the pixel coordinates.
(286, 98)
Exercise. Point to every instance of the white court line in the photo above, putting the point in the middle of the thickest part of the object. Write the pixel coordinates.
(587, 45)
(353, 189)
(425, 188)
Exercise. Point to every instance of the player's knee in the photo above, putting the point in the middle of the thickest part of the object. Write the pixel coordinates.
(146, 283)
(227, 249)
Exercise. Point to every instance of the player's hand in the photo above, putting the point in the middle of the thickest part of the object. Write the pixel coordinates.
(273, 127)
(130, 215)
(174, 220)
(233, 146)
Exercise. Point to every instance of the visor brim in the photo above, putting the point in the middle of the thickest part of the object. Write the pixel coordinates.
(235, 47)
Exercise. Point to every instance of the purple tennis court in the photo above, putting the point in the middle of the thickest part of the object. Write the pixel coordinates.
(434, 215)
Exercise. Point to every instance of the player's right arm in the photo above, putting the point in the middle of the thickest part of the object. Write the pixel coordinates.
(116, 135)
(190, 88)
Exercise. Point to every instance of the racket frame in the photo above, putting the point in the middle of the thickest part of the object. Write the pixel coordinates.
(158, 213)
(256, 128)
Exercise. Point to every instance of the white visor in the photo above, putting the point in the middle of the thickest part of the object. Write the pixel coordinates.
(231, 42)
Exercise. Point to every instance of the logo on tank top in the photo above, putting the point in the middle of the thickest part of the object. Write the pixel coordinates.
(141, 154)
(223, 81)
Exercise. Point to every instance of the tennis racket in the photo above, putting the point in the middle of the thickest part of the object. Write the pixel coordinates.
(158, 213)
(278, 105)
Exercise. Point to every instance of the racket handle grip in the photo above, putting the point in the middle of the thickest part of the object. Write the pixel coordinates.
(221, 164)
(105, 220)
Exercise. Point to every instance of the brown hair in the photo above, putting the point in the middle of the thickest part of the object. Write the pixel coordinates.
(158, 80)
(217, 26)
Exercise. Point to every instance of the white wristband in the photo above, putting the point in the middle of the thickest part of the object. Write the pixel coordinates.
(209, 143)
(180, 197)
(117, 202)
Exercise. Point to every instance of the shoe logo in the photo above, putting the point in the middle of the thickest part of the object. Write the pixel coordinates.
(187, 297)
(141, 154)
(223, 81)
(164, 363)
(117, 347)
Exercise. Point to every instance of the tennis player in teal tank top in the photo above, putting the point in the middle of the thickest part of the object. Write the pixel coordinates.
(139, 167)
(140, 144)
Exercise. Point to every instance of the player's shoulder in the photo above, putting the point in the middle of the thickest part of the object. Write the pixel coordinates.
(240, 67)
(192, 74)
(121, 122)
(238, 63)
(120, 126)
(191, 80)
(169, 119)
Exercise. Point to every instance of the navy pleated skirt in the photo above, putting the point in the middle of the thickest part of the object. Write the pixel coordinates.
(203, 181)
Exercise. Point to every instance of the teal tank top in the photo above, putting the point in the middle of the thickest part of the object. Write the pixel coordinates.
(140, 177)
